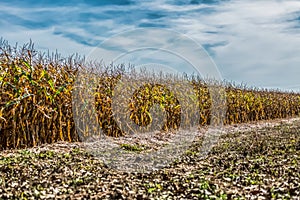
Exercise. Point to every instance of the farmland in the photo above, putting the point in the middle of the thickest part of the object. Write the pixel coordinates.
(36, 117)
(258, 162)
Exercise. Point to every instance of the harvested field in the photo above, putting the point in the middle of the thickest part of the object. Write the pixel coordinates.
(251, 161)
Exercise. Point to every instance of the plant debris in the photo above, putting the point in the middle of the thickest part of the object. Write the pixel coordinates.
(259, 163)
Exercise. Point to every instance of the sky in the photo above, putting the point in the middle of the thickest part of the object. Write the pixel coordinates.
(255, 42)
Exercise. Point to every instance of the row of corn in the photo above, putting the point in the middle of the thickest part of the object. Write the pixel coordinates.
(36, 99)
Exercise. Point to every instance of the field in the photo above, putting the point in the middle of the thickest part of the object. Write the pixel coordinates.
(261, 162)
(42, 154)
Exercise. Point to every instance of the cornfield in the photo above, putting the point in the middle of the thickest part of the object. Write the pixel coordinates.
(36, 99)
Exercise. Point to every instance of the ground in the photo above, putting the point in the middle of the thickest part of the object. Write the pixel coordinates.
(250, 161)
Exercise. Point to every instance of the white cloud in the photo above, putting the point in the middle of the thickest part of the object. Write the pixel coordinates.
(256, 42)
(259, 47)
(44, 40)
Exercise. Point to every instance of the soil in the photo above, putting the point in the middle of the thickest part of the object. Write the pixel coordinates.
(249, 161)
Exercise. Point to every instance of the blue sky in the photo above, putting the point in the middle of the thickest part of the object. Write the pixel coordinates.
(254, 42)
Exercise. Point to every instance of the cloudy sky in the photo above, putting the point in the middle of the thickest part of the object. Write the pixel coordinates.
(256, 42)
